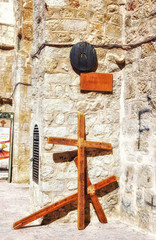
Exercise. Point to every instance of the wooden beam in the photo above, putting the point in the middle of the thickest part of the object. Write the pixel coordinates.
(62, 141)
(81, 171)
(51, 208)
(97, 206)
(105, 182)
(59, 204)
(98, 145)
(74, 142)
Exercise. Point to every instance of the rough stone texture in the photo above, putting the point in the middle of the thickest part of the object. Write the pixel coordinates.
(7, 53)
(54, 101)
(110, 118)
(57, 97)
(138, 146)
(22, 96)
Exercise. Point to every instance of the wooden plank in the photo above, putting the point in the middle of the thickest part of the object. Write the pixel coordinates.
(59, 204)
(102, 82)
(98, 145)
(81, 171)
(62, 141)
(105, 182)
(97, 206)
(45, 211)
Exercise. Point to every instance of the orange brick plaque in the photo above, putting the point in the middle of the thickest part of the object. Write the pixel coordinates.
(101, 82)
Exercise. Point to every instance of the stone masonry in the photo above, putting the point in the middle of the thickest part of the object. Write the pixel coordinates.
(117, 118)
(6, 51)
(126, 118)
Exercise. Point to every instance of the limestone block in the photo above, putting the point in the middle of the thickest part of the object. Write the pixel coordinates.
(44, 199)
(72, 185)
(56, 3)
(144, 219)
(67, 12)
(147, 50)
(54, 25)
(53, 185)
(127, 206)
(58, 78)
(82, 106)
(48, 146)
(56, 131)
(90, 119)
(50, 65)
(27, 31)
(46, 173)
(96, 29)
(145, 176)
(103, 129)
(74, 25)
(60, 118)
(47, 158)
(96, 171)
(152, 64)
(57, 105)
(129, 90)
(72, 92)
(27, 14)
(113, 31)
(59, 91)
(72, 119)
(56, 53)
(139, 198)
(66, 171)
(97, 6)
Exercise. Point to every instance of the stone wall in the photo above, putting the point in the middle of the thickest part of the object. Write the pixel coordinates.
(22, 96)
(138, 119)
(57, 98)
(125, 118)
(6, 51)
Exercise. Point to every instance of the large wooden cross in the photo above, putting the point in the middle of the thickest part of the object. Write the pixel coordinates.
(84, 183)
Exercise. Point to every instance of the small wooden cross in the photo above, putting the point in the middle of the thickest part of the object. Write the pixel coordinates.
(3, 122)
(83, 180)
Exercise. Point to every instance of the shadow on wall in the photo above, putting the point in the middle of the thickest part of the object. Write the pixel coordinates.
(62, 212)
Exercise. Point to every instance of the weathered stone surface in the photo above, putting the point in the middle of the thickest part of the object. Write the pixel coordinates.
(56, 99)
(145, 176)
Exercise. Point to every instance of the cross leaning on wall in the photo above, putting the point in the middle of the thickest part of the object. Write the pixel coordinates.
(84, 184)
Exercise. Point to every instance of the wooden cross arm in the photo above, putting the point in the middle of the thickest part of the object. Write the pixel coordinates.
(59, 204)
(74, 142)
(63, 141)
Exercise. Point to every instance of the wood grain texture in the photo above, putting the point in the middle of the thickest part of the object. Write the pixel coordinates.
(102, 82)
(81, 171)
(51, 208)
(98, 145)
(97, 206)
(63, 141)
(105, 182)
(45, 211)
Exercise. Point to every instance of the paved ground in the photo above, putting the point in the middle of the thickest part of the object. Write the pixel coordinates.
(14, 205)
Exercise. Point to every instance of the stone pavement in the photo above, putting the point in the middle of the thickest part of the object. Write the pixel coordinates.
(14, 205)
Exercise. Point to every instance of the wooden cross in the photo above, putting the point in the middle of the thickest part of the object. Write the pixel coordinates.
(3, 122)
(83, 180)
